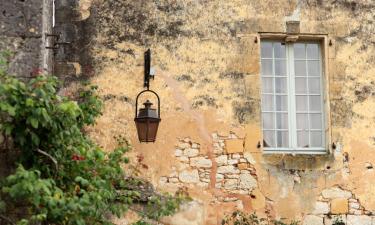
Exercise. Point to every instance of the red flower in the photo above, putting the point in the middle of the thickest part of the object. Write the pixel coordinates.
(77, 157)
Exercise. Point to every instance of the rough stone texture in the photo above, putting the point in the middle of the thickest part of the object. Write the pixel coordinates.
(336, 192)
(339, 206)
(189, 176)
(358, 220)
(247, 181)
(321, 208)
(313, 220)
(201, 162)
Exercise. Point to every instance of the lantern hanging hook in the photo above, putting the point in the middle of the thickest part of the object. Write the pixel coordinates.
(148, 71)
(140, 93)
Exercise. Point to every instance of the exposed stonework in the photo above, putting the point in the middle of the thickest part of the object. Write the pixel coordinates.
(234, 173)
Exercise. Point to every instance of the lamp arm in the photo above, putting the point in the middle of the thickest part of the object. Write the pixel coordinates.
(140, 93)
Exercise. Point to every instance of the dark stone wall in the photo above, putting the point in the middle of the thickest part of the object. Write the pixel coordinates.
(21, 33)
(23, 28)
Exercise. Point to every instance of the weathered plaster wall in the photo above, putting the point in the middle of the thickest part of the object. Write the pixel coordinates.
(207, 75)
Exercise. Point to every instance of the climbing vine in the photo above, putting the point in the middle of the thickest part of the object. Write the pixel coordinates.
(61, 176)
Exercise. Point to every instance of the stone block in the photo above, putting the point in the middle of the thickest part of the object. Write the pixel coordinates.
(321, 208)
(191, 152)
(221, 160)
(242, 166)
(231, 184)
(339, 206)
(247, 181)
(313, 220)
(358, 220)
(201, 162)
(234, 146)
(336, 192)
(189, 176)
(178, 152)
(232, 161)
(227, 169)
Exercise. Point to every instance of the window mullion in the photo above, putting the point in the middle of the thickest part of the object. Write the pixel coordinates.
(292, 99)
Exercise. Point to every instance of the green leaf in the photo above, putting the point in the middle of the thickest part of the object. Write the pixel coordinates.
(34, 122)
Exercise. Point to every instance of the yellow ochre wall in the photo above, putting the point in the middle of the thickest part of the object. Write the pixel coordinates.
(206, 55)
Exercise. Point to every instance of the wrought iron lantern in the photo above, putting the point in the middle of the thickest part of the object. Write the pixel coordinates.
(147, 119)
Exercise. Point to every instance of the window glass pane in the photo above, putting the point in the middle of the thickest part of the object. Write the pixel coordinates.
(267, 67)
(280, 67)
(301, 103)
(313, 68)
(281, 85)
(268, 120)
(281, 103)
(281, 120)
(303, 139)
(267, 102)
(279, 50)
(266, 50)
(282, 139)
(316, 138)
(267, 85)
(315, 104)
(301, 87)
(302, 121)
(316, 121)
(300, 68)
(299, 51)
(314, 85)
(269, 138)
(312, 51)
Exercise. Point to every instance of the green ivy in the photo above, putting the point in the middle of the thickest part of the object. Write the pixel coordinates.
(62, 177)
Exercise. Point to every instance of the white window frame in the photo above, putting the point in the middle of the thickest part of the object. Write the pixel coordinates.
(292, 127)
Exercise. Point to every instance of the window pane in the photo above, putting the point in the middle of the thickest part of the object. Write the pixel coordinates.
(267, 67)
(281, 103)
(316, 121)
(312, 51)
(315, 104)
(301, 103)
(314, 85)
(316, 138)
(299, 51)
(268, 139)
(267, 85)
(281, 85)
(282, 139)
(268, 120)
(303, 139)
(279, 50)
(302, 121)
(280, 67)
(300, 68)
(301, 87)
(313, 68)
(281, 121)
(267, 103)
(266, 50)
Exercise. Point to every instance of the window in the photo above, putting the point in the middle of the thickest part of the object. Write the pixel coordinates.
(292, 97)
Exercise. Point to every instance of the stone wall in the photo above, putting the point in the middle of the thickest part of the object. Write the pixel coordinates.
(206, 56)
(23, 29)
